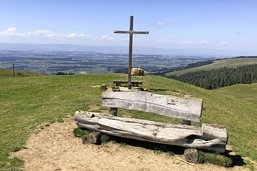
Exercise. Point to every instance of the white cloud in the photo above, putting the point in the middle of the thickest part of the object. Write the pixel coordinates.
(9, 32)
(40, 33)
(76, 35)
(195, 42)
(106, 37)
(11, 29)
(203, 41)
(167, 41)
(222, 43)
(160, 23)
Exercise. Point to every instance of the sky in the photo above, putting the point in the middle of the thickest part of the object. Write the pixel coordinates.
(183, 24)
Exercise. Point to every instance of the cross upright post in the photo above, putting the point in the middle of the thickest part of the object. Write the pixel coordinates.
(131, 32)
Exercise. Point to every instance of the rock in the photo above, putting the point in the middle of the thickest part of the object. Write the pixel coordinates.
(94, 137)
(137, 72)
(191, 155)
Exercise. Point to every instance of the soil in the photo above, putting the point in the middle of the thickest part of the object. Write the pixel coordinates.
(56, 149)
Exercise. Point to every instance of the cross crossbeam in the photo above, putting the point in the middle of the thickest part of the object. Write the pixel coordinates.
(130, 32)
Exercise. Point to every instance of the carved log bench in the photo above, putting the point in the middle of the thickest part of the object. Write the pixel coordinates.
(207, 137)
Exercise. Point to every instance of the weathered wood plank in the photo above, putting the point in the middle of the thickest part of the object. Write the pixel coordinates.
(187, 108)
(133, 83)
(207, 137)
(125, 81)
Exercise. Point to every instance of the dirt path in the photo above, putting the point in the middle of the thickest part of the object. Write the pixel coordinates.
(56, 149)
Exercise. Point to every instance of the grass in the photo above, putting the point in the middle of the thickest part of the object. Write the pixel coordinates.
(27, 102)
(78, 132)
(8, 73)
(229, 63)
(247, 92)
(217, 159)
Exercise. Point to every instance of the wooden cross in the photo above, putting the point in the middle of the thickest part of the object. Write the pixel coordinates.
(131, 32)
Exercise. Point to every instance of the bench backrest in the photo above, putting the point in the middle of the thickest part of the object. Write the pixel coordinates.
(186, 108)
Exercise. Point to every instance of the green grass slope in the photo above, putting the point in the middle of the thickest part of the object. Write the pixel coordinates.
(9, 73)
(247, 92)
(28, 102)
(217, 65)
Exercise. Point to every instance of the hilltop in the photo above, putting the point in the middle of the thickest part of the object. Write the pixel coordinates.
(217, 64)
(28, 102)
(213, 74)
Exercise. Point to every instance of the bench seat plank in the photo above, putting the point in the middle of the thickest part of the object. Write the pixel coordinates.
(187, 108)
(207, 137)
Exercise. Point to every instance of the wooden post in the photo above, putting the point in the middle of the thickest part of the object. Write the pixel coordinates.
(186, 122)
(13, 70)
(114, 111)
(191, 155)
(94, 137)
(130, 51)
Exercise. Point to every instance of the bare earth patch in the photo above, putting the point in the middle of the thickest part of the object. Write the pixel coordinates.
(56, 149)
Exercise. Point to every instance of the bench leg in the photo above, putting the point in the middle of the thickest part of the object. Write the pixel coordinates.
(186, 122)
(191, 155)
(94, 137)
(114, 111)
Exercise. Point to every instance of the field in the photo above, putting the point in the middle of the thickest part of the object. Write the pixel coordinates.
(52, 62)
(8, 73)
(247, 92)
(234, 62)
(28, 102)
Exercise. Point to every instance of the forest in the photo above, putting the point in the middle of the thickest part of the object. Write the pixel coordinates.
(223, 77)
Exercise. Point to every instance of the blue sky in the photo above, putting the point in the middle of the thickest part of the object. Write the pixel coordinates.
(210, 24)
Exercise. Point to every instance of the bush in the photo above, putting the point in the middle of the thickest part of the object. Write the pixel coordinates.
(213, 158)
(78, 132)
(105, 138)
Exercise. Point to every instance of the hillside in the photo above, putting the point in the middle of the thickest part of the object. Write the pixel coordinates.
(247, 92)
(213, 79)
(228, 63)
(27, 102)
(9, 73)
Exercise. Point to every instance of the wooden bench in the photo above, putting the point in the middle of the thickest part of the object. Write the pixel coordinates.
(208, 137)
(125, 83)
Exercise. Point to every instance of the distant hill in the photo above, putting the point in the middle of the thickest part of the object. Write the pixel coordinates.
(124, 49)
(218, 73)
(29, 102)
(217, 64)
(216, 78)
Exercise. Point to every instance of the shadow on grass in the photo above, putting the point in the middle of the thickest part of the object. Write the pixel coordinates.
(225, 160)
(158, 148)
(156, 89)
(237, 159)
